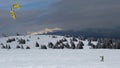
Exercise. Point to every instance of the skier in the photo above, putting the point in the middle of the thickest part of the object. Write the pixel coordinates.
(102, 58)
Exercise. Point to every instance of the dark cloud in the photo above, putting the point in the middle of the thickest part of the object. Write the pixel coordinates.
(80, 14)
(66, 14)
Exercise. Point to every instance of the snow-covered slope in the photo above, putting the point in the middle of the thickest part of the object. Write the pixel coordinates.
(43, 40)
(40, 39)
(54, 58)
(69, 58)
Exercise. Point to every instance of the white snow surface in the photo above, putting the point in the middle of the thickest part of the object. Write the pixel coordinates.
(59, 58)
(55, 58)
(43, 40)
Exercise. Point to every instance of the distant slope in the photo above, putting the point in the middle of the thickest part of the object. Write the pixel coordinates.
(31, 40)
(97, 33)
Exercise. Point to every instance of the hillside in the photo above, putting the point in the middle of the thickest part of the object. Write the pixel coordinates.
(12, 56)
(29, 40)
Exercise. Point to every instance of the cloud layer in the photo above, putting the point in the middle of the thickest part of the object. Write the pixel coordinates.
(36, 15)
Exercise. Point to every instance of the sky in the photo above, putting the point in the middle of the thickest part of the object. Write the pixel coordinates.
(38, 15)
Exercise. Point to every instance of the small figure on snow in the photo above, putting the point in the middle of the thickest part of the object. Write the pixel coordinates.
(102, 58)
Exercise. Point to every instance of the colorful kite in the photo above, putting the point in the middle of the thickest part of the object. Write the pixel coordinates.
(12, 12)
(16, 6)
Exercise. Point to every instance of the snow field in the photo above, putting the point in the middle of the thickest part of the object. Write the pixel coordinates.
(55, 58)
(59, 58)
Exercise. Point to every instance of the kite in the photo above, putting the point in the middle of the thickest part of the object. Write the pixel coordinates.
(16, 6)
(12, 12)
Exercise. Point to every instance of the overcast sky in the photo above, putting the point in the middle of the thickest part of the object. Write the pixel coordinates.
(37, 15)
